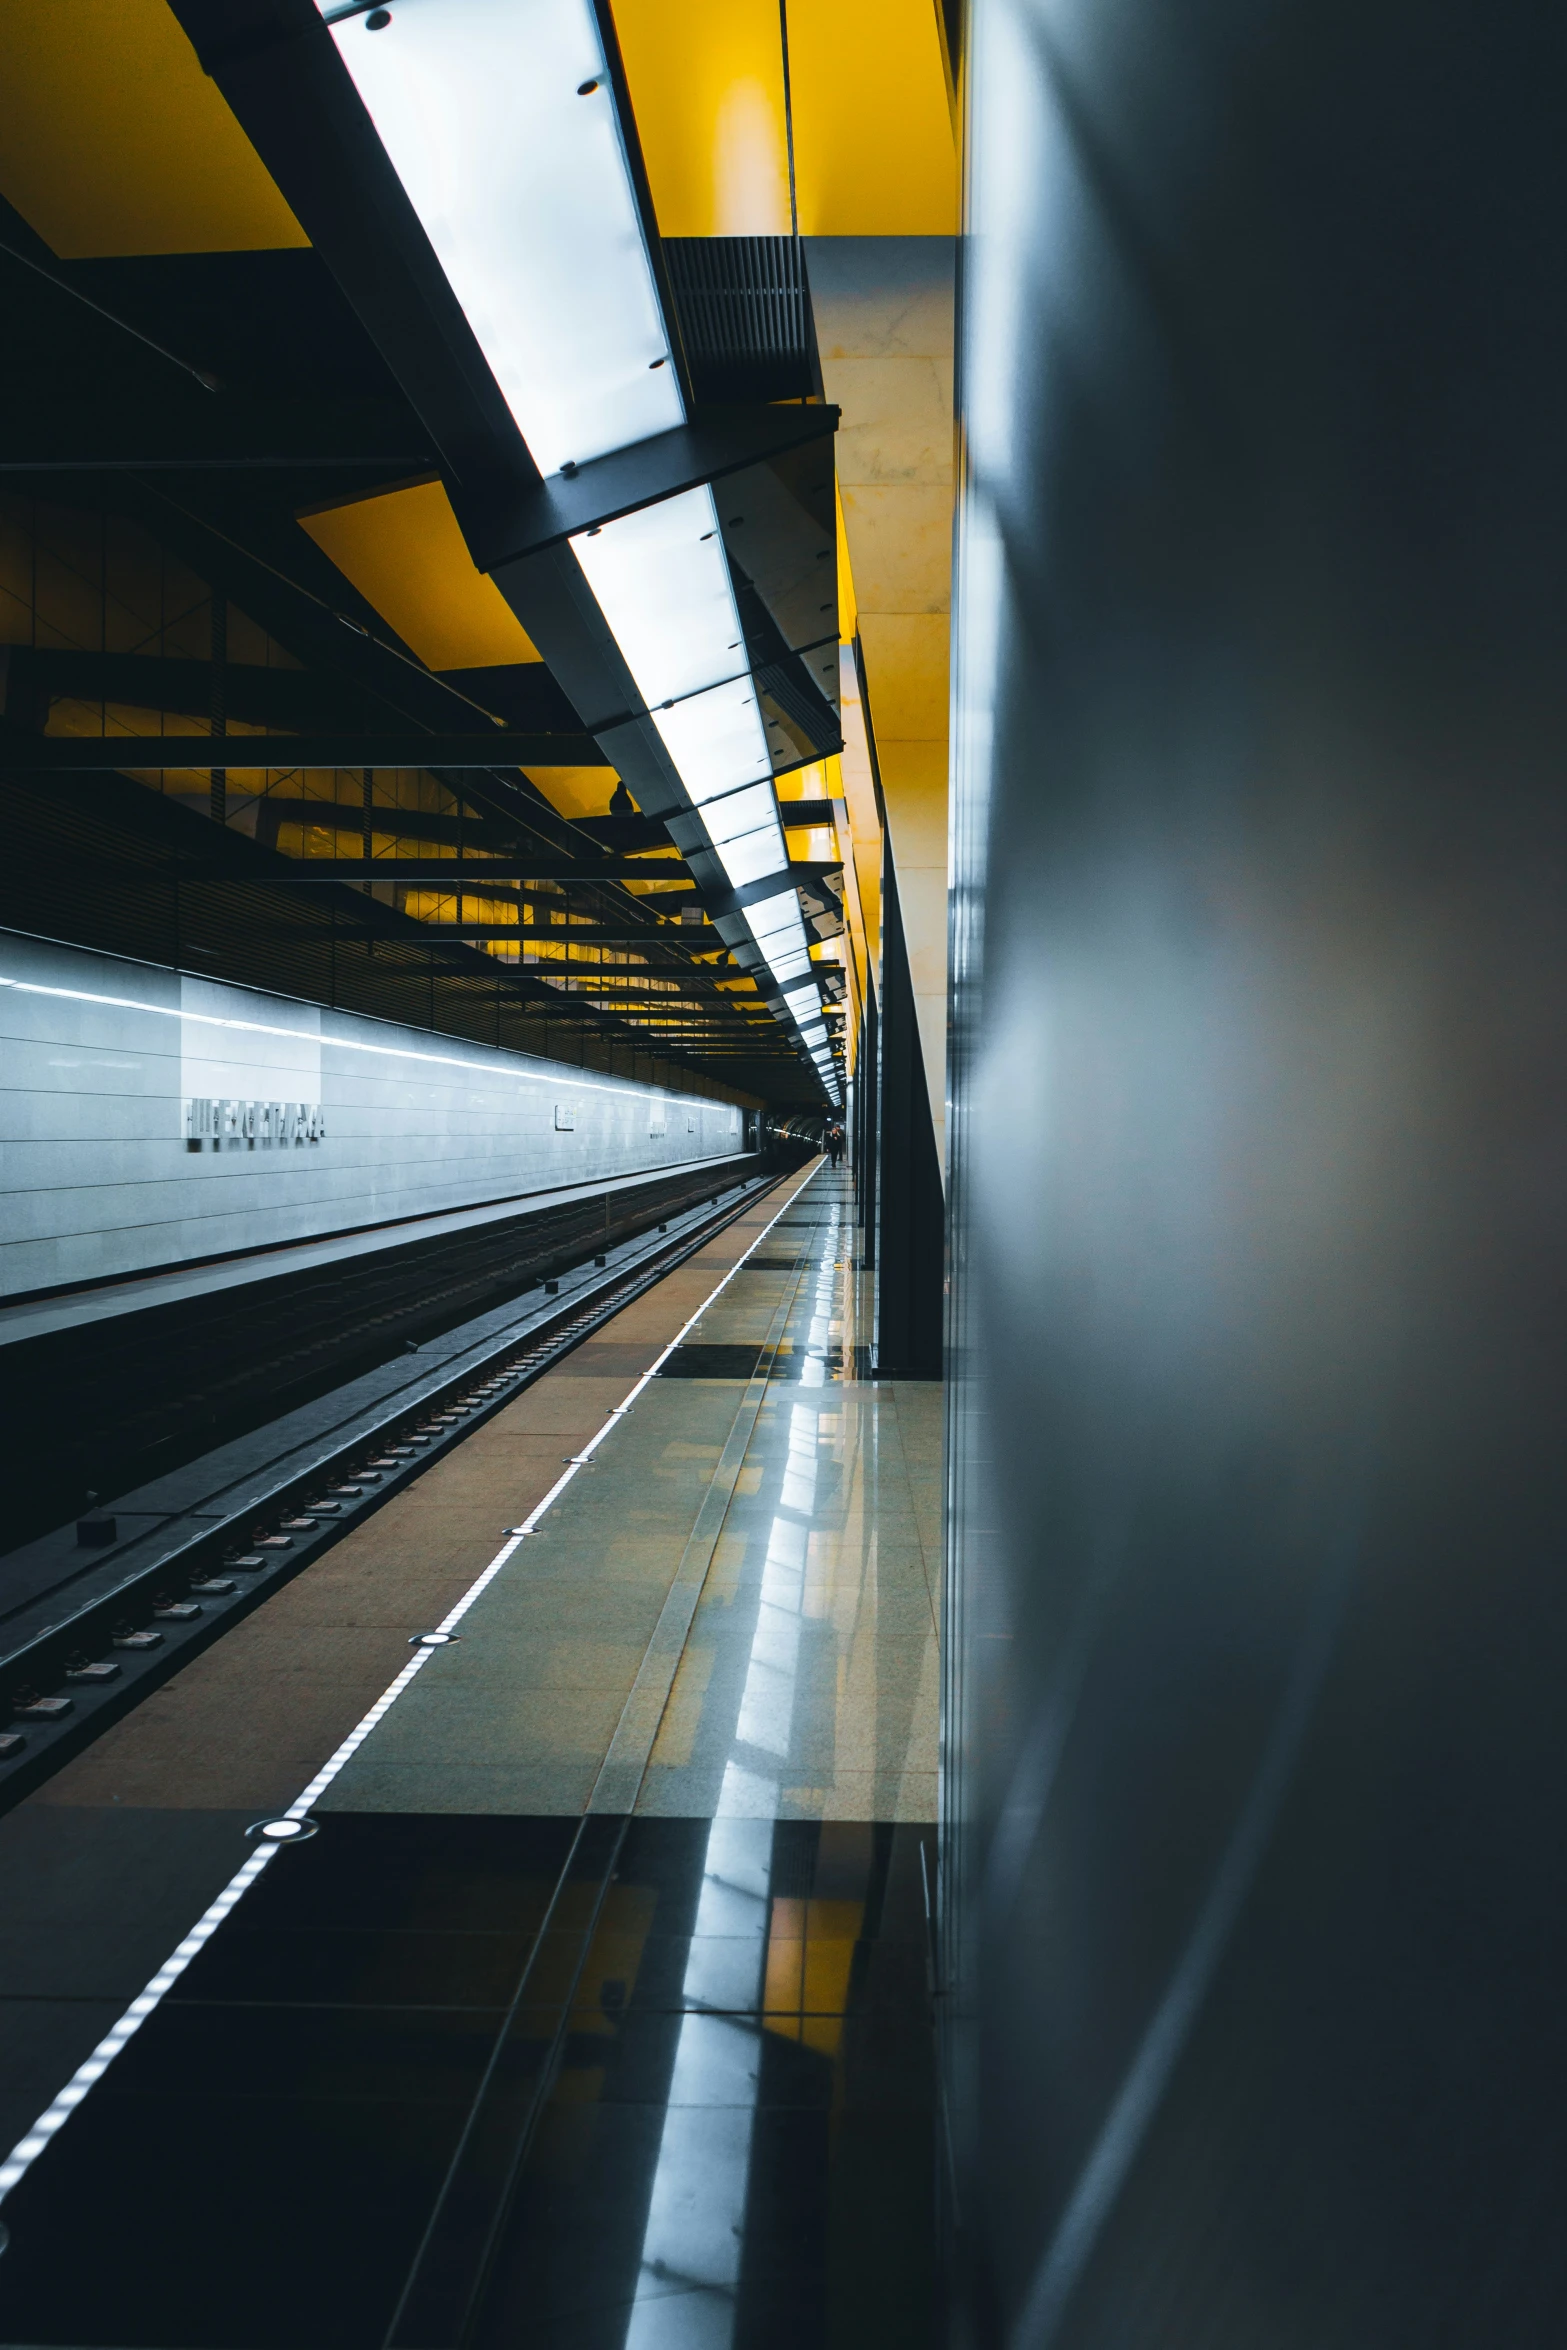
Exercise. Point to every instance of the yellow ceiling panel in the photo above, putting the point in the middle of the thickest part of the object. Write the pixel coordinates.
(406, 555)
(706, 79)
(113, 140)
(575, 791)
(873, 145)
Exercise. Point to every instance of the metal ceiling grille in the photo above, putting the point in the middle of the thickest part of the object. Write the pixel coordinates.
(744, 307)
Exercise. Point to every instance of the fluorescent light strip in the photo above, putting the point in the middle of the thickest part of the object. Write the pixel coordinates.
(660, 579)
(778, 929)
(715, 741)
(751, 809)
(499, 119)
(752, 858)
(562, 1071)
(770, 917)
(662, 583)
(27, 2149)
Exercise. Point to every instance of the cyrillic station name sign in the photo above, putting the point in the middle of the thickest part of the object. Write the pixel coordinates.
(233, 1125)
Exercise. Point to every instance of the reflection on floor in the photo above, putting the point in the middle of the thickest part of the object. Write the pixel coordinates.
(597, 2013)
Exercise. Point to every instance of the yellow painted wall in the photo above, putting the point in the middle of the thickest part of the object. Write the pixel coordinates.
(873, 147)
(873, 141)
(406, 554)
(113, 140)
(706, 81)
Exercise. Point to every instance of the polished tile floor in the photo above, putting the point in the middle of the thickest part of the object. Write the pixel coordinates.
(597, 2013)
(806, 1686)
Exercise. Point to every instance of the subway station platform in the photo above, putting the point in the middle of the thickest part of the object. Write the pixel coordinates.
(593, 2006)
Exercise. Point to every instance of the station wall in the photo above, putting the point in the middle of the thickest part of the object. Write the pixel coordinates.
(148, 1117)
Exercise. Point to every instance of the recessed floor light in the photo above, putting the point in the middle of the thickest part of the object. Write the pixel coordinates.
(283, 1831)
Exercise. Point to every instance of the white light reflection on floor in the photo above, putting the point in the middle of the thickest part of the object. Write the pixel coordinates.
(691, 2248)
(819, 1336)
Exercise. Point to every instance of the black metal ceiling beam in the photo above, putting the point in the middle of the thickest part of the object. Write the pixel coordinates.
(71, 754)
(227, 434)
(653, 992)
(585, 934)
(781, 674)
(694, 1025)
(734, 901)
(522, 693)
(717, 442)
(467, 873)
(458, 873)
(284, 581)
(623, 835)
(277, 66)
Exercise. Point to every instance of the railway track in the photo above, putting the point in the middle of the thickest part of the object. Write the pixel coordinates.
(96, 1616)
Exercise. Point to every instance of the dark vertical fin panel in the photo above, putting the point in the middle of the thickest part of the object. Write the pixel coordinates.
(909, 1211)
(1255, 1752)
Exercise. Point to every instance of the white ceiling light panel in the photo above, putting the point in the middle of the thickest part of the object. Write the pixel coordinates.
(752, 858)
(499, 119)
(662, 583)
(774, 921)
(751, 810)
(715, 740)
(744, 829)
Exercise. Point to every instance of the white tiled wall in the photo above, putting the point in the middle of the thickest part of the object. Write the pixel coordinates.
(99, 1059)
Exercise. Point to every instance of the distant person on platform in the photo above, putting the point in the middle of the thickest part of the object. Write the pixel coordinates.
(835, 1144)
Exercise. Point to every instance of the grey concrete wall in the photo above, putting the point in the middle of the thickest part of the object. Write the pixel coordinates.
(101, 1059)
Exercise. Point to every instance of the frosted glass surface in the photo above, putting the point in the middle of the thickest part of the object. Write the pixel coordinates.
(523, 190)
(753, 857)
(716, 740)
(661, 581)
(741, 811)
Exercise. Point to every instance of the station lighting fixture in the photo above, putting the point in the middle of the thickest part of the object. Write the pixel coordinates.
(778, 928)
(805, 1004)
(499, 119)
(746, 836)
(661, 580)
(663, 585)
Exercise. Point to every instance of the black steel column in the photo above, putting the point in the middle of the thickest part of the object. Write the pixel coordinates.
(908, 1215)
(865, 1121)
